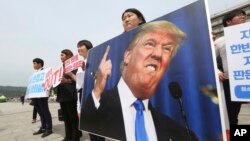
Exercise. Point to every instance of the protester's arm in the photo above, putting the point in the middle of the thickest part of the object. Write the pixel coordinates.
(217, 44)
(65, 80)
(222, 75)
(216, 48)
(69, 77)
(72, 75)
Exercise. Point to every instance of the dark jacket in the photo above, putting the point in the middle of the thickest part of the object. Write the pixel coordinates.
(67, 91)
(108, 120)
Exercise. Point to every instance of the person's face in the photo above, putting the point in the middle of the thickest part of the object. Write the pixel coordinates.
(130, 20)
(147, 62)
(83, 51)
(63, 57)
(36, 66)
(238, 19)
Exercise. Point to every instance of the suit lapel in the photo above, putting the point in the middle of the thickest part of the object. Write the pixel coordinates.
(160, 125)
(114, 118)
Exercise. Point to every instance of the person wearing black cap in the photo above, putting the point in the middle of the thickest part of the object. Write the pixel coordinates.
(232, 18)
(82, 47)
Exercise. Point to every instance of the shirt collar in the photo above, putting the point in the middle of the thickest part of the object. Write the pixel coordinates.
(39, 69)
(126, 96)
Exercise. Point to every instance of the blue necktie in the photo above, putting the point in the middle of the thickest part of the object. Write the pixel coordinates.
(140, 131)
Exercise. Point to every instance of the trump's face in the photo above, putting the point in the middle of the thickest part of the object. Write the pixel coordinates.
(146, 63)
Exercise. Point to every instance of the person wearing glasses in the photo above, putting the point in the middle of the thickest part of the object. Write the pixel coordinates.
(230, 19)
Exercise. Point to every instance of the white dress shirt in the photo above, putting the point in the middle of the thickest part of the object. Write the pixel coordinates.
(129, 113)
(80, 77)
(220, 50)
(79, 85)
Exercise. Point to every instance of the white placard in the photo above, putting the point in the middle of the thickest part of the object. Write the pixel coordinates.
(35, 87)
(238, 56)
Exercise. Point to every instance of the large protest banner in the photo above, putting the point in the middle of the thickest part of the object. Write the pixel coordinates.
(192, 68)
(238, 55)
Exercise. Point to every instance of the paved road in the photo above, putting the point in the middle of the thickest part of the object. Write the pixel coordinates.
(244, 117)
(15, 123)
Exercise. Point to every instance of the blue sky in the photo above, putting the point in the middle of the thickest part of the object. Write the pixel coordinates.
(30, 29)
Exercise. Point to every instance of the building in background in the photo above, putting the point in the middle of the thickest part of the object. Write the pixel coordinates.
(216, 19)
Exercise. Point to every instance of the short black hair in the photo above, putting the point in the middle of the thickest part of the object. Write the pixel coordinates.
(87, 43)
(229, 16)
(68, 53)
(38, 61)
(137, 12)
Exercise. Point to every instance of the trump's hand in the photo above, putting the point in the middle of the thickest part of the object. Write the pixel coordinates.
(103, 73)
